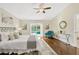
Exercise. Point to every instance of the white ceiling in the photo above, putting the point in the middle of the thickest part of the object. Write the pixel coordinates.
(26, 11)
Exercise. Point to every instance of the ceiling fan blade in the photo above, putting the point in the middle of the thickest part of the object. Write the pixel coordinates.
(36, 8)
(47, 8)
(37, 11)
(43, 11)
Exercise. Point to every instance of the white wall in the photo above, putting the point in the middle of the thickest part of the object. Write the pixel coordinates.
(68, 15)
(15, 23)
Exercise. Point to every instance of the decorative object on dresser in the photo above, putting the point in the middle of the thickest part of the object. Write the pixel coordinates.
(61, 32)
(67, 37)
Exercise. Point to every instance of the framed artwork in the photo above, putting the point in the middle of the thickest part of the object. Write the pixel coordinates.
(47, 27)
(7, 20)
(24, 27)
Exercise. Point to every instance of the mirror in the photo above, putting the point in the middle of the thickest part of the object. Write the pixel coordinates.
(63, 24)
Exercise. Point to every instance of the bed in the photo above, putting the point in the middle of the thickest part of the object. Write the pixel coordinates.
(24, 43)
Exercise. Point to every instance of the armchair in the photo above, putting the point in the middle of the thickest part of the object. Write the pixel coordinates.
(49, 34)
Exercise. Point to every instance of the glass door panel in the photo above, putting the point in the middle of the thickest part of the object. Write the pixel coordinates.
(36, 29)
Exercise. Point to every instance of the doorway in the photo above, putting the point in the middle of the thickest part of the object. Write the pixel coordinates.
(36, 29)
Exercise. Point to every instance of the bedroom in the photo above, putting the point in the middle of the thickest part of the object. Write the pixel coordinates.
(21, 21)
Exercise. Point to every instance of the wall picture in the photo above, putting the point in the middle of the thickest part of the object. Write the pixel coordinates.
(47, 26)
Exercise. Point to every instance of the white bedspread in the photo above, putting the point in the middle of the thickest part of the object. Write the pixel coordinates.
(20, 43)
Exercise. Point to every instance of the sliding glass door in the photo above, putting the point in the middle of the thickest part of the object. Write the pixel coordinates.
(36, 29)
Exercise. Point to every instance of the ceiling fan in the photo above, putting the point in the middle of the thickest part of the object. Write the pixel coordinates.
(42, 8)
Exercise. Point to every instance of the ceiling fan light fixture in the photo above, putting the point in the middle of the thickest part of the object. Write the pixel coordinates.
(42, 8)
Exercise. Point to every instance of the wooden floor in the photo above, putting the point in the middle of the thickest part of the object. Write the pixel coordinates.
(60, 47)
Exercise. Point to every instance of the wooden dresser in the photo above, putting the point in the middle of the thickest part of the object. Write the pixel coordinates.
(60, 47)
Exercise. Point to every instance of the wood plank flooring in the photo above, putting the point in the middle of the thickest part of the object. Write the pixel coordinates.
(60, 47)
